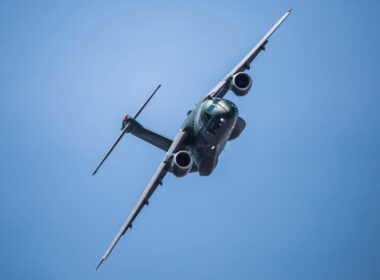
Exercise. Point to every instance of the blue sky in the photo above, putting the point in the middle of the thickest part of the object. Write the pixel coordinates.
(295, 197)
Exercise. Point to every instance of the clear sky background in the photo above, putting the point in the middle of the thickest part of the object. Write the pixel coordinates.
(295, 197)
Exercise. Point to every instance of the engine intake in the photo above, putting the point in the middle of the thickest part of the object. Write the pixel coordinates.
(241, 83)
(182, 163)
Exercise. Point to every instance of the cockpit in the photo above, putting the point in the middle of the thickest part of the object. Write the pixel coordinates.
(217, 114)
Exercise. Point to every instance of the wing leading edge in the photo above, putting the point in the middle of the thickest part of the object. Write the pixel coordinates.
(151, 187)
(223, 86)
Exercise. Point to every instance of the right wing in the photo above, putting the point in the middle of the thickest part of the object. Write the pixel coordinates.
(223, 86)
(153, 184)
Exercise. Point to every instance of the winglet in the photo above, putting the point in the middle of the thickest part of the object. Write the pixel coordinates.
(100, 263)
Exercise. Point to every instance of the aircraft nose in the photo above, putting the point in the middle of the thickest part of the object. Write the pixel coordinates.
(230, 110)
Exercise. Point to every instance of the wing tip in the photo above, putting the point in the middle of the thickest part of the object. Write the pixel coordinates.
(99, 264)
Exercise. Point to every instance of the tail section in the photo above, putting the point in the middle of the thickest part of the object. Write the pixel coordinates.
(154, 138)
(126, 126)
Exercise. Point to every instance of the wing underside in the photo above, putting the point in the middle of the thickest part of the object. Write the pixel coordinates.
(223, 86)
(151, 187)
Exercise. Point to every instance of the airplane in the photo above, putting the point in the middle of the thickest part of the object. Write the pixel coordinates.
(202, 137)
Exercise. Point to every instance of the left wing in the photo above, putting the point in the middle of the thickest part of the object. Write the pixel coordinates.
(154, 182)
(222, 87)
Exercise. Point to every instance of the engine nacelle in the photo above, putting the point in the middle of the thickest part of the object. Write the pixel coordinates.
(241, 83)
(181, 163)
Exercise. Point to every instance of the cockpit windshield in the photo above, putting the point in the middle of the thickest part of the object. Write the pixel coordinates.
(211, 108)
(206, 117)
(215, 115)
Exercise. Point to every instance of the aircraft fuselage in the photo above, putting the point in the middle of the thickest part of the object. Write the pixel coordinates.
(209, 126)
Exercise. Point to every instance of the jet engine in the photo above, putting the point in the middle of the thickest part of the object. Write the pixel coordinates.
(241, 83)
(182, 163)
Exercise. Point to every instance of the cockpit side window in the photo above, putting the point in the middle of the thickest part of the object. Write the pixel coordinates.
(207, 116)
(211, 108)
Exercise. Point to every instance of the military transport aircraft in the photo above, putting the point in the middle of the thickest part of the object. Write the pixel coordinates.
(207, 128)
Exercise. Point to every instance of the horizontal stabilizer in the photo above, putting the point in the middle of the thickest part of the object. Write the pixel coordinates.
(125, 129)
